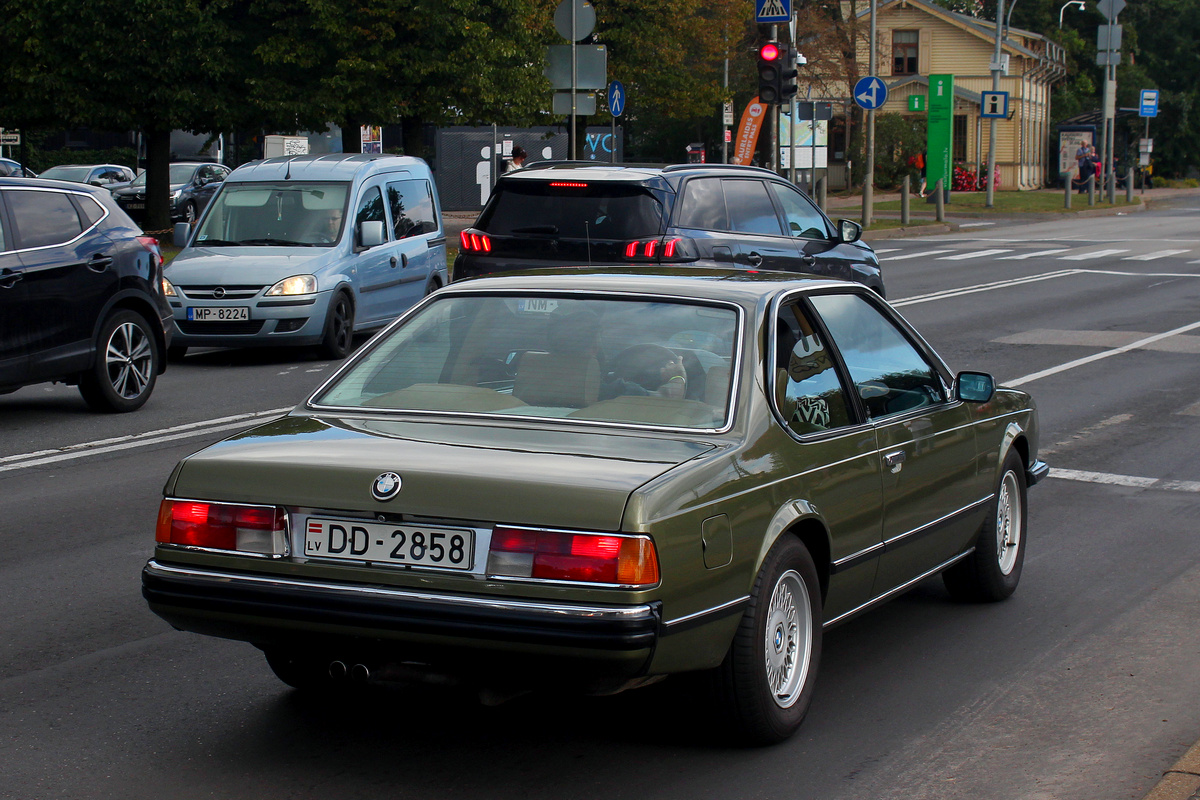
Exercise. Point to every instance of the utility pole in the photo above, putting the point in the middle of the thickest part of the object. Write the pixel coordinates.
(869, 183)
(991, 168)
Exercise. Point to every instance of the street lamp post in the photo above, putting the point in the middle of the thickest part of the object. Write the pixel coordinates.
(1077, 3)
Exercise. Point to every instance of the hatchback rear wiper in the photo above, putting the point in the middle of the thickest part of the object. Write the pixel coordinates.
(537, 229)
(280, 242)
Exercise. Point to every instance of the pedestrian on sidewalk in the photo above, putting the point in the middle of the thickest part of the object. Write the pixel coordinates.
(918, 161)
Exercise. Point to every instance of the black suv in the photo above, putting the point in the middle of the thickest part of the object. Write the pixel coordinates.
(81, 297)
(574, 213)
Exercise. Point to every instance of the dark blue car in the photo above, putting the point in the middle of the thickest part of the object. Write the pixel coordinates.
(81, 298)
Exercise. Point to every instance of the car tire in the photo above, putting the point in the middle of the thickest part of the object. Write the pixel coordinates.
(176, 352)
(992, 571)
(189, 212)
(338, 340)
(767, 678)
(126, 365)
(302, 672)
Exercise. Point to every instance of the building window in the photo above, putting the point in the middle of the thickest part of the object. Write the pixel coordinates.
(904, 52)
(960, 137)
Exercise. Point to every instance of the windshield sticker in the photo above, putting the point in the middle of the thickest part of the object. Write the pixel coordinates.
(537, 305)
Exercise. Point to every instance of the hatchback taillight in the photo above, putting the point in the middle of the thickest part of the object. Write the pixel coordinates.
(223, 526)
(674, 249)
(150, 244)
(572, 556)
(474, 241)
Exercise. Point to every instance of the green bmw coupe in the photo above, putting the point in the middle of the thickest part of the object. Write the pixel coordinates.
(593, 479)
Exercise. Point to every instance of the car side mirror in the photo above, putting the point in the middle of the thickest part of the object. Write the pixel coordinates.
(182, 231)
(848, 230)
(370, 233)
(975, 387)
(96, 182)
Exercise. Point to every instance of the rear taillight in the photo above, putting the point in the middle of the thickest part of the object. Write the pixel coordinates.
(474, 241)
(571, 556)
(150, 244)
(223, 526)
(675, 249)
(568, 184)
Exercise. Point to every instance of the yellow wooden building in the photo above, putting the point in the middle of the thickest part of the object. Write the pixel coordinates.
(917, 38)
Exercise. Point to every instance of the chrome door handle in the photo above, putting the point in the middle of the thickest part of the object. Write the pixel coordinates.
(393, 261)
(9, 279)
(895, 460)
(808, 260)
(754, 259)
(99, 263)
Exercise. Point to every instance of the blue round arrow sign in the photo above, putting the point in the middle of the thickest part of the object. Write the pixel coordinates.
(870, 92)
(616, 98)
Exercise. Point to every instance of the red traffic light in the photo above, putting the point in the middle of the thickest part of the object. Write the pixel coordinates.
(769, 52)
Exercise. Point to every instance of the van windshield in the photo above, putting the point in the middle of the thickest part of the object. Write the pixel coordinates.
(284, 213)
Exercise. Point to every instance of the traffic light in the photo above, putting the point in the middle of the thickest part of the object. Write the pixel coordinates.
(770, 71)
(788, 75)
(776, 73)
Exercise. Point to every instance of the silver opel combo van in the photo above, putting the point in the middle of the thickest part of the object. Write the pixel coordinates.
(307, 250)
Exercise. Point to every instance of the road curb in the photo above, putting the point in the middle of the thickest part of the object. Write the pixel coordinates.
(1182, 781)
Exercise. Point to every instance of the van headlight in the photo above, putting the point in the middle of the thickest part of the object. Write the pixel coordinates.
(167, 289)
(297, 284)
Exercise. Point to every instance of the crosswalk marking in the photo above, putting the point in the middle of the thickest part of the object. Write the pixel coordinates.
(973, 254)
(919, 255)
(1023, 256)
(1093, 254)
(1155, 255)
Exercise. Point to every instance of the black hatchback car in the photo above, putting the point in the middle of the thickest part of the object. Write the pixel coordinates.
(574, 213)
(81, 297)
(193, 184)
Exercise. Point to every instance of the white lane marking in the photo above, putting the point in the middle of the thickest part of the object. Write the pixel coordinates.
(192, 429)
(879, 250)
(1023, 256)
(919, 255)
(1124, 480)
(1155, 255)
(1079, 362)
(975, 224)
(973, 254)
(982, 287)
(1093, 254)
(1086, 433)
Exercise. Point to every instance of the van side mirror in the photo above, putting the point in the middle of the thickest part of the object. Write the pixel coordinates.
(849, 230)
(182, 230)
(370, 233)
(975, 387)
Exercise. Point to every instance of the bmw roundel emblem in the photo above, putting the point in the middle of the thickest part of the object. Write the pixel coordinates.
(386, 486)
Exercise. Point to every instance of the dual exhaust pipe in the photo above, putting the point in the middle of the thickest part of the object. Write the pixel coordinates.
(355, 673)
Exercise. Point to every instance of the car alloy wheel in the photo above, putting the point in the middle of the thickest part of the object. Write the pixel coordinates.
(126, 365)
(1008, 523)
(993, 569)
(339, 328)
(788, 645)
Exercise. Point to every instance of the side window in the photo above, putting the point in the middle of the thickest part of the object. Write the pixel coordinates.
(750, 207)
(800, 216)
(411, 205)
(90, 210)
(808, 392)
(703, 206)
(370, 208)
(889, 373)
(44, 218)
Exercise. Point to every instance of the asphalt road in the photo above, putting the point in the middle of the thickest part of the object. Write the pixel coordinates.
(1083, 685)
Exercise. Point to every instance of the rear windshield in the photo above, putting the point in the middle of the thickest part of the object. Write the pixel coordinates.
(573, 210)
(634, 361)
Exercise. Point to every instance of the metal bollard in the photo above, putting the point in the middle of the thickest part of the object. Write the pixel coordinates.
(1066, 178)
(904, 190)
(1129, 185)
(940, 201)
(1091, 189)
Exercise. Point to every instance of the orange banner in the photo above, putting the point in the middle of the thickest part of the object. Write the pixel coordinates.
(747, 135)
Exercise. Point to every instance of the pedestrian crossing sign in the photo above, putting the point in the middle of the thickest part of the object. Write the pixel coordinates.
(772, 10)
